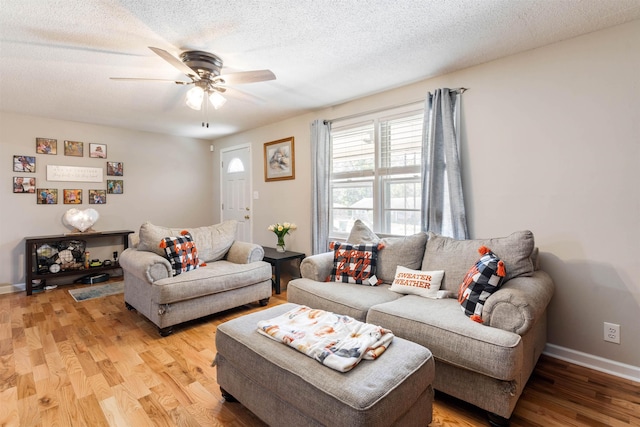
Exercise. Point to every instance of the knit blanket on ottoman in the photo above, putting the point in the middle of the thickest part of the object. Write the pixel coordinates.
(339, 342)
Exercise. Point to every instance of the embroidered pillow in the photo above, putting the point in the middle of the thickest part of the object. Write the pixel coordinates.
(482, 280)
(181, 252)
(354, 263)
(416, 282)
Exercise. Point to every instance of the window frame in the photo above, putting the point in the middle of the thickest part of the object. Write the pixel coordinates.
(382, 176)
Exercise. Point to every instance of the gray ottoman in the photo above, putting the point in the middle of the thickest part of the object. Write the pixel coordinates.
(285, 387)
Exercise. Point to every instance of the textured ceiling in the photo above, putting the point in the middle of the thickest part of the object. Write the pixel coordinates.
(56, 56)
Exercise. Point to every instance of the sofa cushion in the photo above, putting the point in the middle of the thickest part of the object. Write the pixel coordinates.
(415, 282)
(212, 241)
(215, 277)
(455, 256)
(344, 298)
(442, 327)
(406, 251)
(354, 263)
(482, 280)
(181, 252)
(151, 236)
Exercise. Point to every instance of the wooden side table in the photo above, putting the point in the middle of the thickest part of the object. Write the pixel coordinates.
(276, 259)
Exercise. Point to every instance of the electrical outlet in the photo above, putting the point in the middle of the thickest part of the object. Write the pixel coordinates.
(612, 332)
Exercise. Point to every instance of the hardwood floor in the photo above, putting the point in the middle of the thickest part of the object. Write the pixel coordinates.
(94, 363)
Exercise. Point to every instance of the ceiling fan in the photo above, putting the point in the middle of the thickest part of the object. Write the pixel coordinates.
(204, 70)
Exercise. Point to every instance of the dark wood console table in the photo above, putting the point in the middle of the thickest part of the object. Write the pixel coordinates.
(31, 244)
(276, 259)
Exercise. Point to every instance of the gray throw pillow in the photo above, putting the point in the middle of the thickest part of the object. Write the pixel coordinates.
(406, 251)
(455, 257)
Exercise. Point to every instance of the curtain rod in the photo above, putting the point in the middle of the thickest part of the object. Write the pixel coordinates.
(459, 90)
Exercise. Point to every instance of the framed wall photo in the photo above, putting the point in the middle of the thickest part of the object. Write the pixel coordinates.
(24, 185)
(279, 160)
(72, 197)
(46, 146)
(24, 163)
(98, 151)
(115, 186)
(115, 169)
(97, 197)
(47, 196)
(74, 148)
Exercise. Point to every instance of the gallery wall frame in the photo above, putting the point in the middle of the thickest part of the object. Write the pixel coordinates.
(74, 173)
(24, 163)
(24, 184)
(46, 146)
(279, 160)
(98, 151)
(73, 148)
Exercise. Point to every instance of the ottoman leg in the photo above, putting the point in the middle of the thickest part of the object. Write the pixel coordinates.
(226, 396)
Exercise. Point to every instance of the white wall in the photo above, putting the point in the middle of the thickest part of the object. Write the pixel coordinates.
(551, 144)
(167, 180)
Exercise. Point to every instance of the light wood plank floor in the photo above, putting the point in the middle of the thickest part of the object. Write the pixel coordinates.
(94, 363)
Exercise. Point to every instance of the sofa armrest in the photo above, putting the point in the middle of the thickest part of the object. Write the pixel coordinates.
(244, 253)
(317, 267)
(519, 303)
(145, 265)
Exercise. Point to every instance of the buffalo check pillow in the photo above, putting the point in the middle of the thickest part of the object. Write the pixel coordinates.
(355, 263)
(482, 280)
(181, 252)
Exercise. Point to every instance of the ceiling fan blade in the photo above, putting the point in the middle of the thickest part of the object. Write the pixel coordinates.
(243, 77)
(243, 96)
(181, 66)
(135, 79)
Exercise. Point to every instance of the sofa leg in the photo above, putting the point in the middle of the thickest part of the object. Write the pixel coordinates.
(264, 302)
(129, 306)
(226, 396)
(496, 420)
(164, 332)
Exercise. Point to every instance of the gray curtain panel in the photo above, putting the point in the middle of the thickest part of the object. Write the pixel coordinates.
(442, 207)
(320, 171)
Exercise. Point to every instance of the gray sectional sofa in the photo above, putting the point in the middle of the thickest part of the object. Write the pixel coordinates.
(232, 274)
(486, 364)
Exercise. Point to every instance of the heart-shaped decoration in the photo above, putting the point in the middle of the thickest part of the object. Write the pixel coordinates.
(81, 220)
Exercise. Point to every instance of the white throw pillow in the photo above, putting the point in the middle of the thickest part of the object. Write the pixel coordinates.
(416, 282)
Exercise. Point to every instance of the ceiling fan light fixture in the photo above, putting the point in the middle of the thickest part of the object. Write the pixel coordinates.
(217, 100)
(195, 97)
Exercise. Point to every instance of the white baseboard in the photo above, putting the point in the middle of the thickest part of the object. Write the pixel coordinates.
(8, 288)
(597, 363)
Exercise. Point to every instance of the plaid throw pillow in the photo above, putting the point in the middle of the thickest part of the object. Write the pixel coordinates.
(181, 252)
(354, 263)
(483, 279)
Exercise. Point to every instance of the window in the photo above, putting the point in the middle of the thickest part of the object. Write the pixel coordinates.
(375, 172)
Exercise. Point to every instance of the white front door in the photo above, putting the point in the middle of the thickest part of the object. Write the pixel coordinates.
(235, 188)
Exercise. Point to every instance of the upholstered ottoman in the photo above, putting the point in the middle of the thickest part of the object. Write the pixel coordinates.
(285, 387)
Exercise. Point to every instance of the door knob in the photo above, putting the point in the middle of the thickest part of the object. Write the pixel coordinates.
(247, 209)
(246, 217)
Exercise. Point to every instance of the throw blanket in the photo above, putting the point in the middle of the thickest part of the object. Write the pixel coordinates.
(339, 342)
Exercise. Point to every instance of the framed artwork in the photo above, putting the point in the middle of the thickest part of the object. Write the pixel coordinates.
(73, 148)
(98, 151)
(47, 196)
(115, 168)
(97, 197)
(46, 146)
(279, 160)
(24, 184)
(115, 186)
(24, 163)
(72, 197)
